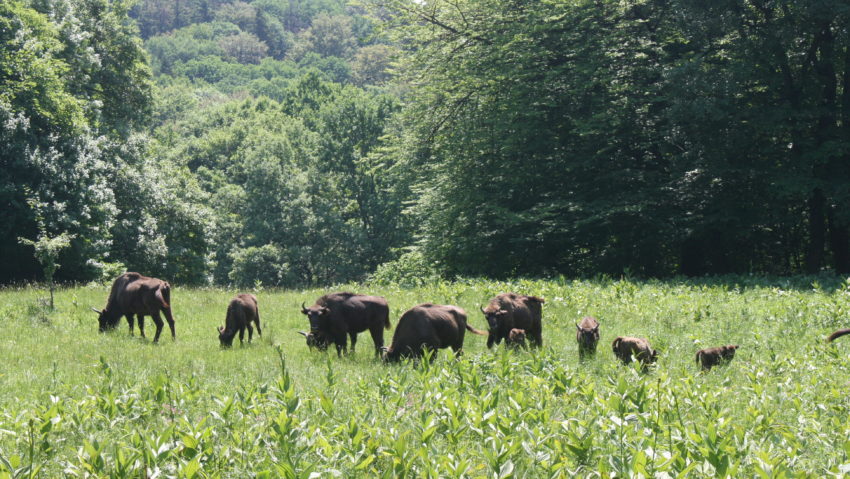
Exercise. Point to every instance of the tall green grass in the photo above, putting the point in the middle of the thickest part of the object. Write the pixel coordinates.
(77, 403)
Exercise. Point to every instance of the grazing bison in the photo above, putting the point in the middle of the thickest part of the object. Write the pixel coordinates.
(587, 335)
(241, 311)
(508, 311)
(316, 340)
(841, 332)
(134, 294)
(429, 326)
(339, 314)
(516, 339)
(711, 357)
(625, 347)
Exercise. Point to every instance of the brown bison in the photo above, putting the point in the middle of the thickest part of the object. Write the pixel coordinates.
(134, 294)
(429, 327)
(626, 347)
(508, 311)
(516, 339)
(711, 357)
(241, 311)
(841, 332)
(587, 335)
(339, 314)
(315, 340)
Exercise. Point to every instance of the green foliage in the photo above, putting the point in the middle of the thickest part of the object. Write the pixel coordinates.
(276, 409)
(410, 269)
(649, 137)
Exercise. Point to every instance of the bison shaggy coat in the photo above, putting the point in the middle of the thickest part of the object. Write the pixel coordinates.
(241, 312)
(708, 358)
(429, 327)
(336, 315)
(134, 294)
(509, 311)
(627, 347)
(587, 335)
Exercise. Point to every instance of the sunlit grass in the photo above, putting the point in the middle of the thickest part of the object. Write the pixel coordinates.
(76, 402)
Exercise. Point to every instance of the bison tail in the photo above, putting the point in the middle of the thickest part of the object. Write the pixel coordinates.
(163, 295)
(837, 334)
(615, 345)
(697, 357)
(476, 331)
(387, 324)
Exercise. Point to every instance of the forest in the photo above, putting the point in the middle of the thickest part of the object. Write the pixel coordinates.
(300, 143)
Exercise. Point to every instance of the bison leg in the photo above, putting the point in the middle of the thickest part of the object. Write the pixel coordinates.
(142, 325)
(130, 322)
(491, 339)
(170, 320)
(537, 339)
(242, 335)
(250, 331)
(157, 320)
(353, 341)
(377, 338)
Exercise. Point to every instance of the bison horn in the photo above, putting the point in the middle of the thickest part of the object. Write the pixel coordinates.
(303, 308)
(96, 311)
(578, 327)
(302, 333)
(482, 309)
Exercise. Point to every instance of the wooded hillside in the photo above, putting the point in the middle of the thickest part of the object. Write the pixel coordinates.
(299, 142)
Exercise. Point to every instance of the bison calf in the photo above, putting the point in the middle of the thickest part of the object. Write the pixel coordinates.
(711, 357)
(627, 347)
(241, 311)
(516, 339)
(429, 327)
(587, 335)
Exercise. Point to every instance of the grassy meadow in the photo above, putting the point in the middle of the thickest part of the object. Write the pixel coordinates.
(77, 403)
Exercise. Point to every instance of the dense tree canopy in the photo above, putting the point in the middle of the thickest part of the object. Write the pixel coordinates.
(311, 142)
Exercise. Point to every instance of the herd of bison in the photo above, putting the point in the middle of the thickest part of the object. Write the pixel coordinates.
(513, 318)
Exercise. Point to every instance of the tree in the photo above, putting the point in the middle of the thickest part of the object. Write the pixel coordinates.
(47, 248)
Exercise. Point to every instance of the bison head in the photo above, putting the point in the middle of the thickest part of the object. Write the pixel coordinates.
(225, 337)
(316, 340)
(106, 320)
(728, 352)
(587, 337)
(516, 338)
(494, 318)
(315, 314)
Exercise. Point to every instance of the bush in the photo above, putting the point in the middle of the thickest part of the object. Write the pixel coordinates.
(410, 269)
(261, 264)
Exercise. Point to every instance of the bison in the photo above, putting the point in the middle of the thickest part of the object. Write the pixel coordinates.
(711, 357)
(516, 339)
(134, 294)
(241, 311)
(626, 347)
(841, 332)
(339, 314)
(587, 335)
(429, 327)
(315, 340)
(508, 311)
